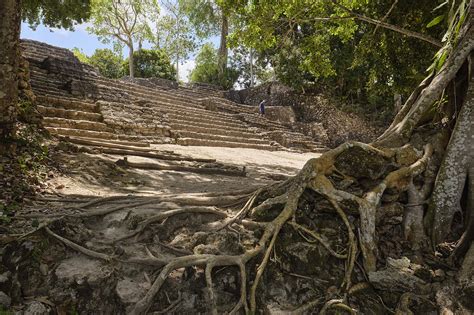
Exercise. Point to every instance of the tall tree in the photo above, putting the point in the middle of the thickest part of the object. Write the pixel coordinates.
(334, 44)
(10, 21)
(50, 13)
(211, 17)
(124, 22)
(175, 33)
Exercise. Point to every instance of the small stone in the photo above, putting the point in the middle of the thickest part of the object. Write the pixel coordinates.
(5, 277)
(439, 275)
(44, 269)
(5, 300)
(36, 308)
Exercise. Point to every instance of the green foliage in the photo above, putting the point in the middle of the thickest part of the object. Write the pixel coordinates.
(124, 21)
(206, 69)
(241, 61)
(316, 44)
(79, 53)
(22, 172)
(151, 63)
(60, 14)
(455, 17)
(204, 15)
(107, 62)
(25, 109)
(175, 33)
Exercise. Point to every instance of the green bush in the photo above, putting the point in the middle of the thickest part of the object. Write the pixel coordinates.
(207, 71)
(107, 62)
(151, 63)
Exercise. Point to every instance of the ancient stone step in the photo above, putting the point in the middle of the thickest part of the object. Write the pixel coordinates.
(216, 143)
(102, 135)
(68, 113)
(67, 103)
(75, 124)
(115, 143)
(210, 136)
(152, 95)
(182, 121)
(207, 121)
(212, 130)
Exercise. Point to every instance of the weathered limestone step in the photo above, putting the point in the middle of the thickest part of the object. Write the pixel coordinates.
(148, 95)
(182, 121)
(214, 121)
(209, 115)
(212, 130)
(210, 136)
(139, 90)
(67, 103)
(216, 143)
(99, 135)
(68, 113)
(76, 124)
(100, 142)
(50, 92)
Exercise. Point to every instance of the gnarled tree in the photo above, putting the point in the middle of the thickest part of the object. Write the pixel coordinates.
(424, 157)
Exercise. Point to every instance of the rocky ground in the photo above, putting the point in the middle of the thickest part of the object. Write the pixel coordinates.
(102, 235)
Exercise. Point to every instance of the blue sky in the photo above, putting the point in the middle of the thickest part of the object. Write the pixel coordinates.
(80, 38)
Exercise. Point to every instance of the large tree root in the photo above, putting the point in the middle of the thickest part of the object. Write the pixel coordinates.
(315, 176)
(312, 176)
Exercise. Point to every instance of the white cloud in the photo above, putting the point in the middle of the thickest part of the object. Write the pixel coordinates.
(185, 69)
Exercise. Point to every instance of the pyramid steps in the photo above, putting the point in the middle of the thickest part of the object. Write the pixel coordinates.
(76, 124)
(99, 135)
(217, 143)
(211, 136)
(210, 129)
(134, 114)
(68, 113)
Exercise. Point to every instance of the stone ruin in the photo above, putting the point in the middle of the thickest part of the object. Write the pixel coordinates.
(76, 102)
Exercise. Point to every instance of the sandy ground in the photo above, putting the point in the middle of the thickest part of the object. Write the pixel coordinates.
(97, 175)
(243, 156)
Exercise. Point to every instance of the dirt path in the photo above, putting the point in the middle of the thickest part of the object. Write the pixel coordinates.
(97, 175)
(102, 232)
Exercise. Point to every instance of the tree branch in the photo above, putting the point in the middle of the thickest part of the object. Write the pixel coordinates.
(395, 28)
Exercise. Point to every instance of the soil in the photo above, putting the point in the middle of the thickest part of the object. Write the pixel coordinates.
(99, 237)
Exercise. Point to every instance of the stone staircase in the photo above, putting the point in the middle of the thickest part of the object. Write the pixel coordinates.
(78, 103)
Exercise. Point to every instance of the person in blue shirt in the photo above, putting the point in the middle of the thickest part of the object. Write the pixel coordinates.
(261, 107)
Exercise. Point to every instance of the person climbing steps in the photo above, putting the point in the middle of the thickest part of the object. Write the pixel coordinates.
(261, 107)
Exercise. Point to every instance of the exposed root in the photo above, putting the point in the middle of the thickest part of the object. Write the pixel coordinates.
(317, 238)
(336, 303)
(169, 213)
(78, 247)
(306, 307)
(170, 308)
(239, 215)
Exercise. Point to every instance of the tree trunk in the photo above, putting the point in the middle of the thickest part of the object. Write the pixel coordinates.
(223, 51)
(251, 67)
(452, 176)
(10, 21)
(131, 64)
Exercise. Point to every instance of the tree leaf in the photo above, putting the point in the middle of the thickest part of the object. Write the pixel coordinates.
(435, 21)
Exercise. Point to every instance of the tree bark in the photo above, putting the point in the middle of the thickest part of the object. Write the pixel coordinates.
(10, 21)
(449, 185)
(223, 51)
(131, 64)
